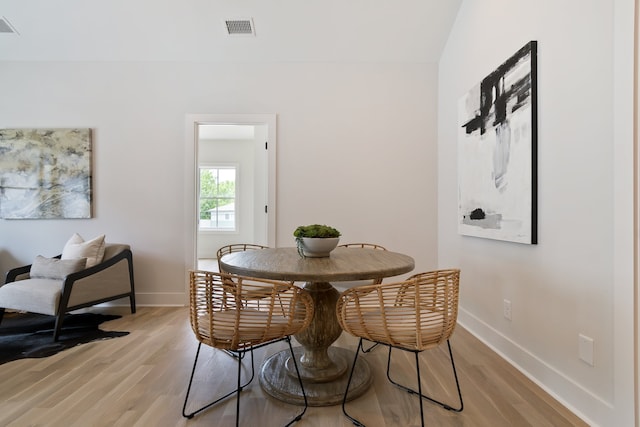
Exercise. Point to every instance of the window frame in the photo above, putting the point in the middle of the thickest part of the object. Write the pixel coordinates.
(212, 230)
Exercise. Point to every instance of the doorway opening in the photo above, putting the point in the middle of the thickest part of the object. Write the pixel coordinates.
(231, 184)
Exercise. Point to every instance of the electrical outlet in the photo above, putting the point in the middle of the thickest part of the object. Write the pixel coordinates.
(585, 349)
(506, 309)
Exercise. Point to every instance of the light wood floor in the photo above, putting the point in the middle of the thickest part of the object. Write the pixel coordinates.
(141, 379)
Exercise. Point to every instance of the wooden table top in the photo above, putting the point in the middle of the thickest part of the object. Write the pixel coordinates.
(344, 264)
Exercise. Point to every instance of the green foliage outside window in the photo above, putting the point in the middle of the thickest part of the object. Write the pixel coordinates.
(215, 190)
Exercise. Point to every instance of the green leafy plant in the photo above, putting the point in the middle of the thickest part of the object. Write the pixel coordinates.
(317, 231)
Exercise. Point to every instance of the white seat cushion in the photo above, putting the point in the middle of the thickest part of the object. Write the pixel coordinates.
(253, 326)
(34, 295)
(399, 326)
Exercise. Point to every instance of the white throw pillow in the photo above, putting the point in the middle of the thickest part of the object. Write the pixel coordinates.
(92, 250)
(54, 268)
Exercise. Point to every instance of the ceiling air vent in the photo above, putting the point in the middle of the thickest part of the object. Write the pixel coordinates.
(5, 26)
(242, 27)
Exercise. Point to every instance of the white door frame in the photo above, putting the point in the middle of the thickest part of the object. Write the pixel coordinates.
(191, 169)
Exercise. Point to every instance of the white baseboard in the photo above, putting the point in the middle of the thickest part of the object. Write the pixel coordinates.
(155, 299)
(562, 388)
(172, 299)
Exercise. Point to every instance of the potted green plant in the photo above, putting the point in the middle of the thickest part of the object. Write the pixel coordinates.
(316, 240)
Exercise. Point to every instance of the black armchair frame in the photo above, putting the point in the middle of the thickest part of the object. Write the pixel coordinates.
(69, 281)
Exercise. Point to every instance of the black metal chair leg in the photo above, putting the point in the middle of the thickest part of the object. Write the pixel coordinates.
(419, 392)
(232, 354)
(370, 348)
(238, 389)
(344, 398)
(455, 375)
(253, 367)
(1, 313)
(419, 388)
(304, 395)
(193, 370)
(236, 354)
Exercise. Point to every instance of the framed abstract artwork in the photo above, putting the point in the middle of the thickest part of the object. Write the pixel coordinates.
(497, 152)
(45, 173)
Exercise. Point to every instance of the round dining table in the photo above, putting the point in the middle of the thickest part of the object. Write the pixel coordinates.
(323, 367)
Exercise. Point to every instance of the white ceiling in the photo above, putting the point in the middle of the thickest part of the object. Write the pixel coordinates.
(193, 30)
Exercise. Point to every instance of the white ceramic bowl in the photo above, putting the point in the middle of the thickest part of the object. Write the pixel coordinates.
(314, 247)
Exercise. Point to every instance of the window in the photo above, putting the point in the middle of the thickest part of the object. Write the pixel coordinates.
(218, 198)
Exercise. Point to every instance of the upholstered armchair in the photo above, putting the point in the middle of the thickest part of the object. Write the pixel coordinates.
(55, 286)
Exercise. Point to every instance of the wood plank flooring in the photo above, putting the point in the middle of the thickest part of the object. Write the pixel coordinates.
(141, 380)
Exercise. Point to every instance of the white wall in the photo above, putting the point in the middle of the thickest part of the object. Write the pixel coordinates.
(571, 282)
(356, 149)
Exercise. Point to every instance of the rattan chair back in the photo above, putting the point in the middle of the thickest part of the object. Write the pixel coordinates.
(415, 314)
(235, 247)
(363, 246)
(221, 317)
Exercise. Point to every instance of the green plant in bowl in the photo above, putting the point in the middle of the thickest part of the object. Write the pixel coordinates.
(315, 231)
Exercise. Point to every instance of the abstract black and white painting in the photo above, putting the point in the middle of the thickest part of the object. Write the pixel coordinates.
(45, 173)
(497, 152)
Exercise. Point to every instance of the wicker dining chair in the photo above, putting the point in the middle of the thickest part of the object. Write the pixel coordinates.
(240, 247)
(363, 245)
(366, 246)
(372, 281)
(235, 247)
(414, 315)
(220, 319)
